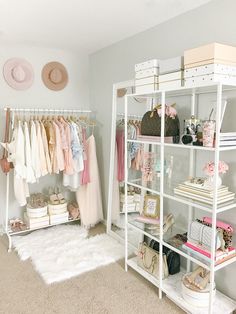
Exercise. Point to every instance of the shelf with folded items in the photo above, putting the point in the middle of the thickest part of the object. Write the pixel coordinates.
(196, 257)
(13, 233)
(171, 286)
(169, 193)
(154, 188)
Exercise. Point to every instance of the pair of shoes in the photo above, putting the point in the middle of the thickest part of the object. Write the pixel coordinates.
(17, 225)
(73, 210)
(199, 278)
(56, 197)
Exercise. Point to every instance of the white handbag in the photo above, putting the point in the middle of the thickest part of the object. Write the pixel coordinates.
(148, 259)
(201, 234)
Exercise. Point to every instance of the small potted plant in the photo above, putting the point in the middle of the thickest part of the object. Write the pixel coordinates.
(209, 170)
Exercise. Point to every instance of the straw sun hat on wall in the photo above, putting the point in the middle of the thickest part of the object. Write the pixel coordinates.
(18, 73)
(54, 76)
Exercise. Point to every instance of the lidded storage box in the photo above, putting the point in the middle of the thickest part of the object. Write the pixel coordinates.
(210, 63)
(211, 53)
(146, 76)
(171, 73)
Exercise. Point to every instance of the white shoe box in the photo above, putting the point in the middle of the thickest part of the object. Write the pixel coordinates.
(171, 65)
(130, 208)
(171, 85)
(154, 63)
(210, 78)
(210, 69)
(60, 218)
(34, 223)
(178, 75)
(147, 73)
(149, 88)
(147, 80)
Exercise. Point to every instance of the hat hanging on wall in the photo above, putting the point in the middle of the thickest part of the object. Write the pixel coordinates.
(18, 73)
(54, 76)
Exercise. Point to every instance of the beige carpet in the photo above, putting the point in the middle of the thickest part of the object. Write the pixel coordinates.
(106, 290)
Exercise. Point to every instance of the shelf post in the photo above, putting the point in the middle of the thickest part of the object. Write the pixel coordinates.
(161, 192)
(112, 158)
(126, 188)
(191, 170)
(215, 194)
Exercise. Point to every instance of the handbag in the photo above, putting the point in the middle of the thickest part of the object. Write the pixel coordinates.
(5, 164)
(148, 259)
(173, 258)
(201, 234)
(151, 123)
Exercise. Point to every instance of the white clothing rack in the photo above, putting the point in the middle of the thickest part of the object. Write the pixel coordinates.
(48, 110)
(34, 111)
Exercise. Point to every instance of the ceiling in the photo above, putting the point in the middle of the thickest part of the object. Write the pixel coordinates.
(83, 25)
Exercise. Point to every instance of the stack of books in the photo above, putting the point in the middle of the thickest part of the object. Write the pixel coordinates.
(35, 223)
(202, 194)
(228, 139)
(220, 256)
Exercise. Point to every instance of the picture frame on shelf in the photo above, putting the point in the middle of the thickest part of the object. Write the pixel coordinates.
(151, 206)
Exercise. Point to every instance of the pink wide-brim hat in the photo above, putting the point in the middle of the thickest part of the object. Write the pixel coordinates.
(18, 73)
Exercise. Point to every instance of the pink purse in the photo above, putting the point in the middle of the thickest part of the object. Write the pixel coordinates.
(219, 224)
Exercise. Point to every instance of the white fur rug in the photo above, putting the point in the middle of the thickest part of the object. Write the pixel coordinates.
(62, 252)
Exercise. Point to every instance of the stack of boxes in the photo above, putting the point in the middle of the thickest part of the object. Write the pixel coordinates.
(200, 66)
(133, 202)
(49, 214)
(209, 64)
(146, 76)
(58, 213)
(171, 73)
(36, 217)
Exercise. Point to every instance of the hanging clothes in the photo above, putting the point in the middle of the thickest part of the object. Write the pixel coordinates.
(89, 196)
(17, 156)
(120, 142)
(35, 151)
(42, 158)
(85, 175)
(115, 213)
(30, 177)
(73, 181)
(45, 146)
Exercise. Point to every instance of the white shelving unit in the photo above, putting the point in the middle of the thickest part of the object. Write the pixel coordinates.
(171, 286)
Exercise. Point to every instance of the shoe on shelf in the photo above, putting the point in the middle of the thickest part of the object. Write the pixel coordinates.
(168, 223)
(53, 198)
(73, 210)
(60, 195)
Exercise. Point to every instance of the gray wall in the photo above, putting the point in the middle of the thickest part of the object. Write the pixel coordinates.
(212, 22)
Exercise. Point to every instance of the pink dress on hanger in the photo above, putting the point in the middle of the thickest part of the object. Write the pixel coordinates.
(89, 196)
(85, 174)
(120, 140)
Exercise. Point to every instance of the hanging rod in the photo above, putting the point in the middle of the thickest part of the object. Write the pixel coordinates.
(48, 110)
(130, 115)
